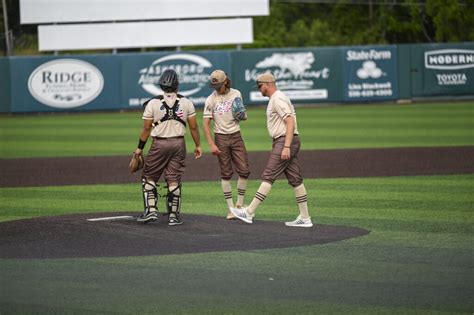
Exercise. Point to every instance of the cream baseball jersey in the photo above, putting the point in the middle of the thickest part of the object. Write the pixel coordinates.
(279, 107)
(155, 110)
(219, 108)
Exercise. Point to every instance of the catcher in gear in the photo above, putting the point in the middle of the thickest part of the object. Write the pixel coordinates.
(225, 107)
(165, 118)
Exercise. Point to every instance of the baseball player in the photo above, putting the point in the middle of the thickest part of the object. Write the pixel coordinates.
(165, 119)
(282, 127)
(227, 144)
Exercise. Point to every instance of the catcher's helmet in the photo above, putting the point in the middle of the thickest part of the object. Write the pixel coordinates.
(169, 81)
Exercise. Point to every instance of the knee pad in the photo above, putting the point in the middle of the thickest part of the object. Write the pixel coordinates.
(150, 194)
(174, 199)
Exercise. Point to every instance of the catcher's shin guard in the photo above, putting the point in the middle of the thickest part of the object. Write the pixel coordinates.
(150, 195)
(174, 199)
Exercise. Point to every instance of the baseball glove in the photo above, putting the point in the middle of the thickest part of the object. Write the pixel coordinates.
(136, 163)
(238, 109)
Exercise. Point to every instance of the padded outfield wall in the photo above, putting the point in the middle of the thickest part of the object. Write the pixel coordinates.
(308, 75)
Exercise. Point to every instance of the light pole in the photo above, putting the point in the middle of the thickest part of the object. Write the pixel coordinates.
(7, 33)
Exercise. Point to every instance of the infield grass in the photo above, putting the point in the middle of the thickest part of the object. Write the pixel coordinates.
(417, 259)
(330, 127)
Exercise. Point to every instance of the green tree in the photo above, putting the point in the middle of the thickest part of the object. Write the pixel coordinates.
(453, 20)
(321, 34)
(298, 34)
(343, 22)
(293, 24)
(269, 31)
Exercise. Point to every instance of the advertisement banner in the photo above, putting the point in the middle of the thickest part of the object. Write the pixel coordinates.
(4, 85)
(305, 75)
(370, 73)
(448, 70)
(141, 74)
(72, 83)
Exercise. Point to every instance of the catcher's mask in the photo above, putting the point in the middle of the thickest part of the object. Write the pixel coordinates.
(169, 81)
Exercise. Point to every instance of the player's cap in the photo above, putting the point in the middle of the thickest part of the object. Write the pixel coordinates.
(217, 79)
(265, 78)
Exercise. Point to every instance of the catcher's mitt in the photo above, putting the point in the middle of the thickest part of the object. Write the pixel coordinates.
(136, 163)
(238, 109)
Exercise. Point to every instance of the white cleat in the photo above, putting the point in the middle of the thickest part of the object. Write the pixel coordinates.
(300, 222)
(242, 214)
(230, 216)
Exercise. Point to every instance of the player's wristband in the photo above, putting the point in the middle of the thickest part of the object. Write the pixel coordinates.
(141, 144)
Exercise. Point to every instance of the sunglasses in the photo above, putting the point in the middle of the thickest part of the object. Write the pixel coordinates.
(260, 85)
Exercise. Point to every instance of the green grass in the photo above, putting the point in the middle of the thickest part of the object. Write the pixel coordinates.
(350, 126)
(417, 258)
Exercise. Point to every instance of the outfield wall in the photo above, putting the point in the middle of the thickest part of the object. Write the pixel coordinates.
(345, 74)
(5, 85)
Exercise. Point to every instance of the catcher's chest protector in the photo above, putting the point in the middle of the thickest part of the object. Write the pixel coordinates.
(170, 113)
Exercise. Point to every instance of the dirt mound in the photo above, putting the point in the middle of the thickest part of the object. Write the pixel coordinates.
(73, 236)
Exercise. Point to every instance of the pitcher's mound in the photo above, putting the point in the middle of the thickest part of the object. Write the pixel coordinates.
(75, 236)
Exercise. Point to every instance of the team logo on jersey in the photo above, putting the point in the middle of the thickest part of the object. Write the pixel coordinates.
(224, 107)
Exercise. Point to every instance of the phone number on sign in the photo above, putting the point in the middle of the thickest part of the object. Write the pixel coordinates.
(370, 93)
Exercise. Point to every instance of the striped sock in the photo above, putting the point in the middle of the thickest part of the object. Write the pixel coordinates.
(260, 196)
(241, 189)
(227, 189)
(302, 200)
(175, 204)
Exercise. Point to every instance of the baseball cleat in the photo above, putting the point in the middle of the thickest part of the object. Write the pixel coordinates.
(242, 214)
(148, 216)
(174, 219)
(300, 222)
(230, 216)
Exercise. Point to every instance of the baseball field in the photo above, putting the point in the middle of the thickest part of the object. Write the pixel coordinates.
(391, 193)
